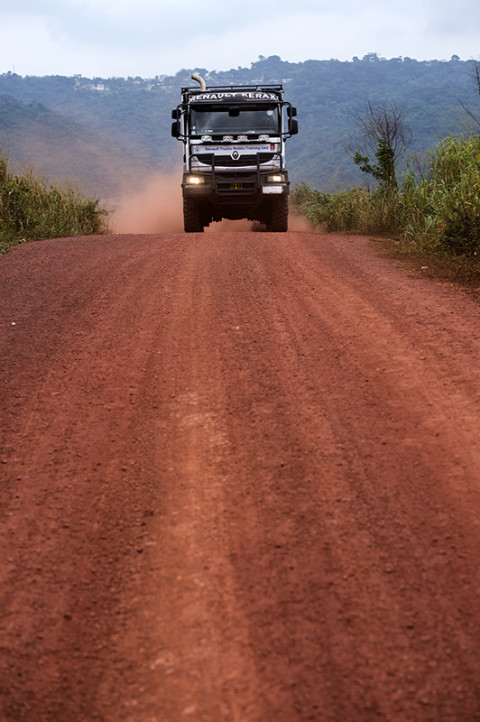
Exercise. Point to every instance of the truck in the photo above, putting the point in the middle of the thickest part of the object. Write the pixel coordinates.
(234, 153)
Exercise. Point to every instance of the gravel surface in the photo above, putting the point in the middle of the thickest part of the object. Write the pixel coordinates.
(240, 482)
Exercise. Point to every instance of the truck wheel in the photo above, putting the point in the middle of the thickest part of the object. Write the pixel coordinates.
(191, 217)
(278, 221)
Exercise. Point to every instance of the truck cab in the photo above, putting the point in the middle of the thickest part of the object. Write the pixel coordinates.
(234, 154)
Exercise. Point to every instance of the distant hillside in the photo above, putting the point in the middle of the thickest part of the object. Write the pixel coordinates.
(99, 129)
(64, 151)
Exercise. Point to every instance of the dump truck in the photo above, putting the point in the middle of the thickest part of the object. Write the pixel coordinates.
(234, 153)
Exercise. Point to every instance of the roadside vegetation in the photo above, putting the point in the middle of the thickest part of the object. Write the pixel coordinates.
(31, 210)
(434, 213)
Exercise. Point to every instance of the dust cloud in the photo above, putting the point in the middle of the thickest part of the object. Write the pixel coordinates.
(295, 223)
(156, 207)
(299, 223)
(226, 225)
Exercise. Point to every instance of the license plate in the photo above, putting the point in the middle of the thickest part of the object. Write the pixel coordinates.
(236, 186)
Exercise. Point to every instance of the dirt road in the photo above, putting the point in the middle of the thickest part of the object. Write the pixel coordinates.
(240, 483)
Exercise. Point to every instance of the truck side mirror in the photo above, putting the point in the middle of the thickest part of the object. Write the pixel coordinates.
(175, 114)
(292, 126)
(291, 111)
(176, 129)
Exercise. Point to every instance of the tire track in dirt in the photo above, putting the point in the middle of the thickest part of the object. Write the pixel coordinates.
(241, 482)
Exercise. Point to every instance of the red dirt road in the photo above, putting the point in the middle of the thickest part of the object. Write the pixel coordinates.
(240, 483)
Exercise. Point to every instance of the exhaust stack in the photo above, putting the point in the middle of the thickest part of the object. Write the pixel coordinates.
(200, 80)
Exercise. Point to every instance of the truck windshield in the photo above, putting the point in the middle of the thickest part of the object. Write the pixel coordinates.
(218, 121)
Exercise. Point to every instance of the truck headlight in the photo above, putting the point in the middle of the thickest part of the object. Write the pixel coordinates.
(194, 180)
(277, 178)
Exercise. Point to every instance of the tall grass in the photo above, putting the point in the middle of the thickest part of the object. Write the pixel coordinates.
(436, 212)
(31, 210)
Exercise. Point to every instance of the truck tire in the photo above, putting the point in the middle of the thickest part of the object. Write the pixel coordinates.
(191, 217)
(278, 221)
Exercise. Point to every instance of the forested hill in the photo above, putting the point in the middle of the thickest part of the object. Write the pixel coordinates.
(103, 131)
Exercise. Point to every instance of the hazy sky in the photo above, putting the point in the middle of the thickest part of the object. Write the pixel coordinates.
(107, 38)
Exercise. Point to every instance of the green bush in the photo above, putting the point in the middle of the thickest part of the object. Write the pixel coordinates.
(352, 210)
(455, 185)
(437, 212)
(31, 210)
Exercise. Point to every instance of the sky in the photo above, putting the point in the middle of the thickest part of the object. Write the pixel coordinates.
(146, 38)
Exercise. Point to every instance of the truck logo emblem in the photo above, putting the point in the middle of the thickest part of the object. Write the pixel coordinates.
(235, 154)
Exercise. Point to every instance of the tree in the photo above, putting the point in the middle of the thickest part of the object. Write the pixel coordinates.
(384, 171)
(383, 134)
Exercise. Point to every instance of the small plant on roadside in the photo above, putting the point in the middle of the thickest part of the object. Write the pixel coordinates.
(31, 210)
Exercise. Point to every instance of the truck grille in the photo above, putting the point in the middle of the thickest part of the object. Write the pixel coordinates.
(236, 184)
(226, 161)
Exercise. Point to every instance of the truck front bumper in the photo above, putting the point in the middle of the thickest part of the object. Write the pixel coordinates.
(230, 185)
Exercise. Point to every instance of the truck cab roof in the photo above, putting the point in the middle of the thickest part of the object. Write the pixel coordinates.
(233, 94)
